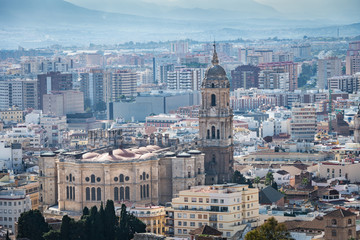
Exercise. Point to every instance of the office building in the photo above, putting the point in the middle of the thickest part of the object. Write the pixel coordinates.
(92, 85)
(301, 51)
(53, 81)
(60, 103)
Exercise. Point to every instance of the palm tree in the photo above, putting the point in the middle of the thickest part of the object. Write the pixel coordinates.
(257, 181)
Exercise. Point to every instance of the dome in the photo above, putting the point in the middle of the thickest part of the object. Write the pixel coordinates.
(90, 155)
(216, 71)
(123, 153)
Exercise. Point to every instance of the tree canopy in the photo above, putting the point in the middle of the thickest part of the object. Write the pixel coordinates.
(32, 225)
(270, 230)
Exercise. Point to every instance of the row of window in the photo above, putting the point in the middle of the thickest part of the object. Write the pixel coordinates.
(93, 194)
(70, 193)
(213, 200)
(7, 219)
(121, 178)
(10, 211)
(144, 191)
(3, 203)
(185, 231)
(124, 193)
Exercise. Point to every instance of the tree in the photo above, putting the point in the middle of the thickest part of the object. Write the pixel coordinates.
(100, 106)
(305, 181)
(52, 235)
(65, 228)
(32, 225)
(85, 212)
(274, 185)
(269, 179)
(110, 220)
(7, 235)
(270, 230)
(238, 178)
(129, 225)
(257, 181)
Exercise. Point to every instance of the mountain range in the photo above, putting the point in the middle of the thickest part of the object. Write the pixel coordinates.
(33, 23)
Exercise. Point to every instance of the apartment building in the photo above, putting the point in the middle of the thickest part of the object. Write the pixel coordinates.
(152, 216)
(303, 122)
(226, 207)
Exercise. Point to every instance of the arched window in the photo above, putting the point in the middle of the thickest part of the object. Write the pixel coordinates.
(333, 233)
(147, 190)
(144, 191)
(199, 170)
(213, 85)
(121, 193)
(116, 194)
(73, 193)
(87, 194)
(333, 222)
(213, 132)
(141, 196)
(121, 177)
(213, 100)
(99, 194)
(67, 192)
(208, 134)
(218, 134)
(127, 193)
(92, 178)
(93, 196)
(349, 232)
(213, 158)
(349, 222)
(70, 177)
(143, 176)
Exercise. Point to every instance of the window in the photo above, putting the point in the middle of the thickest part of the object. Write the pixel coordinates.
(213, 100)
(333, 233)
(179, 215)
(349, 232)
(193, 199)
(349, 222)
(228, 234)
(218, 134)
(192, 215)
(127, 193)
(121, 193)
(185, 224)
(186, 199)
(185, 231)
(199, 216)
(221, 200)
(99, 194)
(192, 224)
(179, 223)
(147, 191)
(208, 134)
(200, 200)
(121, 178)
(87, 194)
(179, 231)
(93, 197)
(92, 178)
(116, 194)
(213, 132)
(221, 225)
(333, 222)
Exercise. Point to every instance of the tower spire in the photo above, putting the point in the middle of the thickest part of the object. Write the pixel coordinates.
(215, 60)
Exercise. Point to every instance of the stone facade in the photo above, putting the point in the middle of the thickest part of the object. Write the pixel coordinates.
(340, 224)
(75, 180)
(216, 124)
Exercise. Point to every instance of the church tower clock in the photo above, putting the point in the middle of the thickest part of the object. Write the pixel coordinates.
(216, 124)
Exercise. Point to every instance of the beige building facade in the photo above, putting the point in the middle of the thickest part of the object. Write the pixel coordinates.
(75, 180)
(226, 207)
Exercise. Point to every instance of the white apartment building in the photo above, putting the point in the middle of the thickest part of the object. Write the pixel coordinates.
(185, 79)
(22, 134)
(123, 84)
(10, 156)
(12, 204)
(225, 207)
(303, 122)
(21, 93)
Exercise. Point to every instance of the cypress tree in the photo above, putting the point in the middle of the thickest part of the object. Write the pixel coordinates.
(111, 220)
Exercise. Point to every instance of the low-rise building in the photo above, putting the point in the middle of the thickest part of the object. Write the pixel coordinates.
(12, 204)
(226, 207)
(153, 217)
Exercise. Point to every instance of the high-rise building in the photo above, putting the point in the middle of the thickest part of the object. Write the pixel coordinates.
(327, 68)
(302, 51)
(274, 79)
(21, 93)
(164, 69)
(179, 47)
(357, 127)
(244, 53)
(60, 103)
(245, 76)
(53, 81)
(185, 79)
(123, 84)
(266, 55)
(303, 122)
(92, 85)
(289, 67)
(216, 123)
(227, 208)
(353, 58)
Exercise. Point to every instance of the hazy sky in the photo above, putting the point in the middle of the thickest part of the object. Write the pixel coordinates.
(342, 10)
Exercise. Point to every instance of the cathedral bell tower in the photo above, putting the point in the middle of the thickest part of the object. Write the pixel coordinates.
(216, 124)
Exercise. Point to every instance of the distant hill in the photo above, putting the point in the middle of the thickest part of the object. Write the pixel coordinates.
(34, 23)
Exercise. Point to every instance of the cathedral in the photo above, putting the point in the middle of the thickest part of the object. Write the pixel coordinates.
(216, 124)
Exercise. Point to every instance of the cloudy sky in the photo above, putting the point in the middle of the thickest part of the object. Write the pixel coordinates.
(333, 10)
